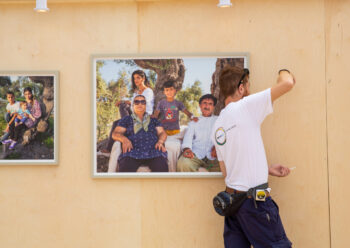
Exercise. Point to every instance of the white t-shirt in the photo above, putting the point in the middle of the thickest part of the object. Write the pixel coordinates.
(148, 94)
(13, 108)
(238, 142)
(197, 137)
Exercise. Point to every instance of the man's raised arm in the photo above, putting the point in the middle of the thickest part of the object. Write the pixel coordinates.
(285, 83)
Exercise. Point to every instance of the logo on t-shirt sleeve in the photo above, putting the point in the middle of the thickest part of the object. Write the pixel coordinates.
(220, 136)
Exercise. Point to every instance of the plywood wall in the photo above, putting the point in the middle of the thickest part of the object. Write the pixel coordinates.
(62, 206)
(338, 120)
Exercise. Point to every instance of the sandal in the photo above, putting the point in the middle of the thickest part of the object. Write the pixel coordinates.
(13, 144)
(8, 141)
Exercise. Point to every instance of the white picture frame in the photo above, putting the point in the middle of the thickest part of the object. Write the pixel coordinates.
(43, 149)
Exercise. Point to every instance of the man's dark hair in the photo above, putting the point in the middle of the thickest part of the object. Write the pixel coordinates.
(168, 84)
(208, 96)
(230, 78)
(10, 93)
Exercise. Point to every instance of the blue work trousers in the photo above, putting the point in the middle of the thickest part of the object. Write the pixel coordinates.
(260, 227)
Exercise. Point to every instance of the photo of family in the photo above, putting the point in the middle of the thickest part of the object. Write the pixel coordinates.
(155, 114)
(28, 118)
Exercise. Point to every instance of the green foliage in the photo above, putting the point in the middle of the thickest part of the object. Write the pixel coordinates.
(18, 85)
(49, 142)
(107, 94)
(126, 61)
(3, 123)
(152, 78)
(51, 122)
(190, 97)
(5, 83)
(164, 67)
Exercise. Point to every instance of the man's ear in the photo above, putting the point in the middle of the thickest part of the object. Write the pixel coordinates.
(241, 89)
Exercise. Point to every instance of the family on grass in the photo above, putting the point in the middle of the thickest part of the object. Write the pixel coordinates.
(19, 116)
(147, 140)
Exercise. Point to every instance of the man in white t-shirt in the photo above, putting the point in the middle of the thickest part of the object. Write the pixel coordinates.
(241, 154)
(11, 109)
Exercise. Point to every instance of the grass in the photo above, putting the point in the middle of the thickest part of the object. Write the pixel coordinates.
(2, 117)
(51, 123)
(47, 137)
(49, 142)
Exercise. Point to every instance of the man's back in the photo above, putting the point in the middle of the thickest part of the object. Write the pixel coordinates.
(238, 141)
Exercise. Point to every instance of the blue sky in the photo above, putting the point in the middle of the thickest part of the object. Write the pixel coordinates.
(196, 69)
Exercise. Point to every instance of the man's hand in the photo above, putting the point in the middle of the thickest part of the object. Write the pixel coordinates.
(118, 103)
(286, 76)
(278, 170)
(195, 119)
(7, 129)
(213, 152)
(285, 82)
(160, 146)
(188, 153)
(126, 145)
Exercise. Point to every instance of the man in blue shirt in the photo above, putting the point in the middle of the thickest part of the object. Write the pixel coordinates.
(197, 146)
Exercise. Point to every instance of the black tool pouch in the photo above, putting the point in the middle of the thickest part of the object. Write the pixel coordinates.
(226, 204)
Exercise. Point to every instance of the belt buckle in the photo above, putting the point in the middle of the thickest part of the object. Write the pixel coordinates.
(260, 195)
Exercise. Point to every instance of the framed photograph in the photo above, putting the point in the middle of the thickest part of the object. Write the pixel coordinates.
(28, 118)
(149, 118)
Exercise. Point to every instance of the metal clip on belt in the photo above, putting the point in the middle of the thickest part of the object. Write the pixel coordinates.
(252, 192)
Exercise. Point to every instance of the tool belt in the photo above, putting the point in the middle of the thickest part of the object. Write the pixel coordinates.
(228, 202)
(233, 191)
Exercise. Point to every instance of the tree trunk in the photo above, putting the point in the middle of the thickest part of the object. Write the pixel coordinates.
(166, 69)
(215, 87)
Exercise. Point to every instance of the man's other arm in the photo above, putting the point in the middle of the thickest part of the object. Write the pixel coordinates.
(223, 168)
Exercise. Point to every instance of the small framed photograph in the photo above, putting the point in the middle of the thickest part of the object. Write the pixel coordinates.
(28, 118)
(152, 114)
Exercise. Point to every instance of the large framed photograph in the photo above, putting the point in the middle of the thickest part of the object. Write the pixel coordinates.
(28, 118)
(152, 114)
